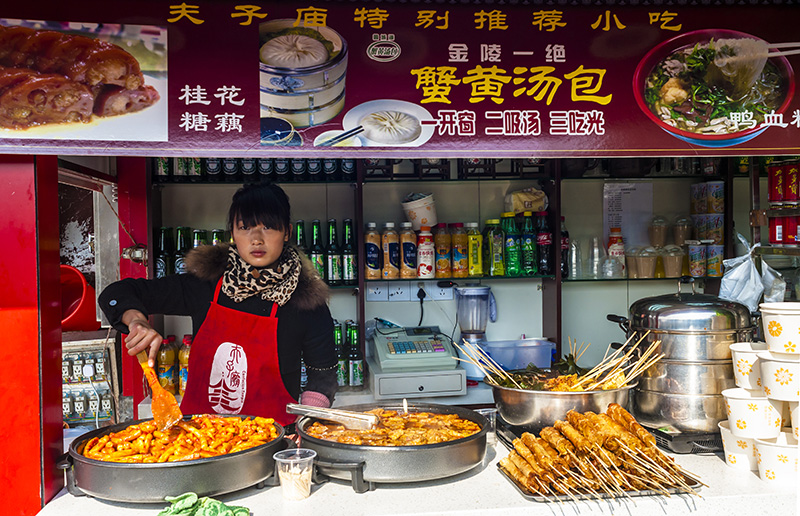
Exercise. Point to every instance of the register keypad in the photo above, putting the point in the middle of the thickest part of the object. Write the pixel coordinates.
(408, 347)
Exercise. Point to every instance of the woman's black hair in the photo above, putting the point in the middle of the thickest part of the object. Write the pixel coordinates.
(260, 203)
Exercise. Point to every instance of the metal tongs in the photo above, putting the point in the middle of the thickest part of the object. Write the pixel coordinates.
(350, 420)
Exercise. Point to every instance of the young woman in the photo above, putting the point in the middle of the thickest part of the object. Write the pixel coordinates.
(257, 306)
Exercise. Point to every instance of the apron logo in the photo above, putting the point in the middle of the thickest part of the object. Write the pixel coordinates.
(227, 383)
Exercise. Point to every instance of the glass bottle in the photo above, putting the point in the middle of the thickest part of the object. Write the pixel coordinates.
(194, 170)
(299, 169)
(528, 239)
(248, 170)
(162, 170)
(333, 256)
(212, 168)
(349, 255)
(342, 365)
(281, 170)
(316, 253)
(230, 170)
(494, 249)
(300, 235)
(565, 249)
(442, 243)
(180, 170)
(408, 250)
(164, 259)
(199, 237)
(181, 249)
(511, 244)
(218, 236)
(372, 252)
(265, 168)
(355, 362)
(474, 251)
(459, 250)
(544, 244)
(390, 243)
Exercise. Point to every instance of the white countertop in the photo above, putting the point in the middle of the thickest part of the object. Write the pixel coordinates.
(483, 490)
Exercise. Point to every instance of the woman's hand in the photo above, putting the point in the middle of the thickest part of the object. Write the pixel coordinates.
(141, 336)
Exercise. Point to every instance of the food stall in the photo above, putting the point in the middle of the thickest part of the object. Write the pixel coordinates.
(486, 99)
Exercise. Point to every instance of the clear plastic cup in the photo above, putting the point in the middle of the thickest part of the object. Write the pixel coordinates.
(295, 468)
(491, 416)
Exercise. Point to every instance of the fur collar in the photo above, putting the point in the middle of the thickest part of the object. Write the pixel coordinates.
(208, 263)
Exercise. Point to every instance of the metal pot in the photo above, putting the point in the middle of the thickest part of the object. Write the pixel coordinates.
(152, 482)
(392, 464)
(691, 327)
(534, 410)
(676, 377)
(686, 412)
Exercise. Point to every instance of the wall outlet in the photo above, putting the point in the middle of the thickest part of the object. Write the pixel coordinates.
(377, 291)
(399, 291)
(438, 293)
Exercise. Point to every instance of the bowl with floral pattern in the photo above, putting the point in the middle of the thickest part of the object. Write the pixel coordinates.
(781, 323)
(751, 414)
(780, 375)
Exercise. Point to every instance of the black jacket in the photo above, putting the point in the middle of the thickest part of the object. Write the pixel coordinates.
(304, 323)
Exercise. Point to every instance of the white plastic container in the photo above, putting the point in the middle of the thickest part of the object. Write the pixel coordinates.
(781, 323)
(746, 369)
(751, 414)
(421, 212)
(777, 459)
(740, 452)
(780, 376)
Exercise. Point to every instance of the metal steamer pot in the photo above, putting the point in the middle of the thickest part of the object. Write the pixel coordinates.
(150, 483)
(695, 332)
(394, 464)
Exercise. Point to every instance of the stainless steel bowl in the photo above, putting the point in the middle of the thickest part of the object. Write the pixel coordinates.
(686, 412)
(681, 377)
(535, 410)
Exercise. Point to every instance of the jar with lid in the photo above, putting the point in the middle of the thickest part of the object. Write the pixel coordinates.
(426, 253)
(474, 251)
(408, 251)
(493, 249)
(673, 261)
(443, 244)
(657, 231)
(682, 230)
(647, 259)
(459, 250)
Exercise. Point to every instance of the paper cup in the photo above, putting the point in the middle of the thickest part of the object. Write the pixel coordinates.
(794, 412)
(777, 459)
(781, 323)
(740, 452)
(751, 414)
(421, 212)
(746, 369)
(295, 468)
(780, 377)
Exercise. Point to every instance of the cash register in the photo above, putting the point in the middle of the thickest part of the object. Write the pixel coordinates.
(414, 362)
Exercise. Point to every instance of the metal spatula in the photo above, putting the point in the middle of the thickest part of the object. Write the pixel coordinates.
(350, 420)
(165, 408)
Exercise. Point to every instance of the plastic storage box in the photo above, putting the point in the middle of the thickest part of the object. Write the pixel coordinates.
(517, 354)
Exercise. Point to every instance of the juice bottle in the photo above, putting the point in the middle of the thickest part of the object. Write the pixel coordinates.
(390, 241)
(494, 249)
(474, 251)
(426, 253)
(166, 366)
(512, 245)
(459, 250)
(442, 243)
(616, 247)
(408, 251)
(372, 252)
(183, 359)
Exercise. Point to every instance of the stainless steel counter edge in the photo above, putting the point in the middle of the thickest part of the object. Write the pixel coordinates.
(483, 490)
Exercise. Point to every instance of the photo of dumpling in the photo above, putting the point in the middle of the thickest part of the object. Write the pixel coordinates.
(391, 127)
(293, 51)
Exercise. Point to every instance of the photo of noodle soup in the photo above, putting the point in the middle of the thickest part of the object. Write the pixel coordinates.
(713, 87)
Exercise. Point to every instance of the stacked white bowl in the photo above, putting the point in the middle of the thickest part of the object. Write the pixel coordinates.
(767, 375)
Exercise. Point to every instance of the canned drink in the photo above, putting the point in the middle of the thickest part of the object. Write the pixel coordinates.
(776, 230)
(714, 257)
(790, 189)
(699, 199)
(790, 231)
(715, 227)
(697, 259)
(700, 223)
(775, 184)
(715, 197)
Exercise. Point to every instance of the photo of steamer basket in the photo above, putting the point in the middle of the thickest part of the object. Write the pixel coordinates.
(394, 464)
(151, 482)
(302, 72)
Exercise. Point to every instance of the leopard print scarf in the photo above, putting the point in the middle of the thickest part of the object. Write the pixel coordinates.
(241, 280)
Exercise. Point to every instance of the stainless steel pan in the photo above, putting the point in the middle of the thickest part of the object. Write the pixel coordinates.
(392, 464)
(152, 482)
(680, 377)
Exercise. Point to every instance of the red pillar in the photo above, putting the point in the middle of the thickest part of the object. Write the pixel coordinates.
(133, 192)
(30, 316)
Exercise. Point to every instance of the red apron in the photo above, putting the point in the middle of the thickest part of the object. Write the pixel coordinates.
(233, 366)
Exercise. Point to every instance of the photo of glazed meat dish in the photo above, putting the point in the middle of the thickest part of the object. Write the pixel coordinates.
(49, 77)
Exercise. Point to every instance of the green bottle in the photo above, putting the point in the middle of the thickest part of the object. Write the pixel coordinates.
(164, 262)
(493, 249)
(316, 253)
(181, 249)
(512, 245)
(528, 245)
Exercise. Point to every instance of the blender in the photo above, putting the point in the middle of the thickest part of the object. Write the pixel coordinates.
(475, 307)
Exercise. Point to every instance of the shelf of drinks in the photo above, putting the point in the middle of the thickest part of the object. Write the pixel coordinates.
(466, 279)
(590, 279)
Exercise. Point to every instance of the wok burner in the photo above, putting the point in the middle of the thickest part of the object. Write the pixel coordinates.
(667, 438)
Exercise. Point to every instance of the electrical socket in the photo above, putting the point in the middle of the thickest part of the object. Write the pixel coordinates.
(378, 291)
(400, 291)
(437, 293)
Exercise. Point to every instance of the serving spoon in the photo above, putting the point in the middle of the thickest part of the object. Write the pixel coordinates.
(165, 408)
(350, 420)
